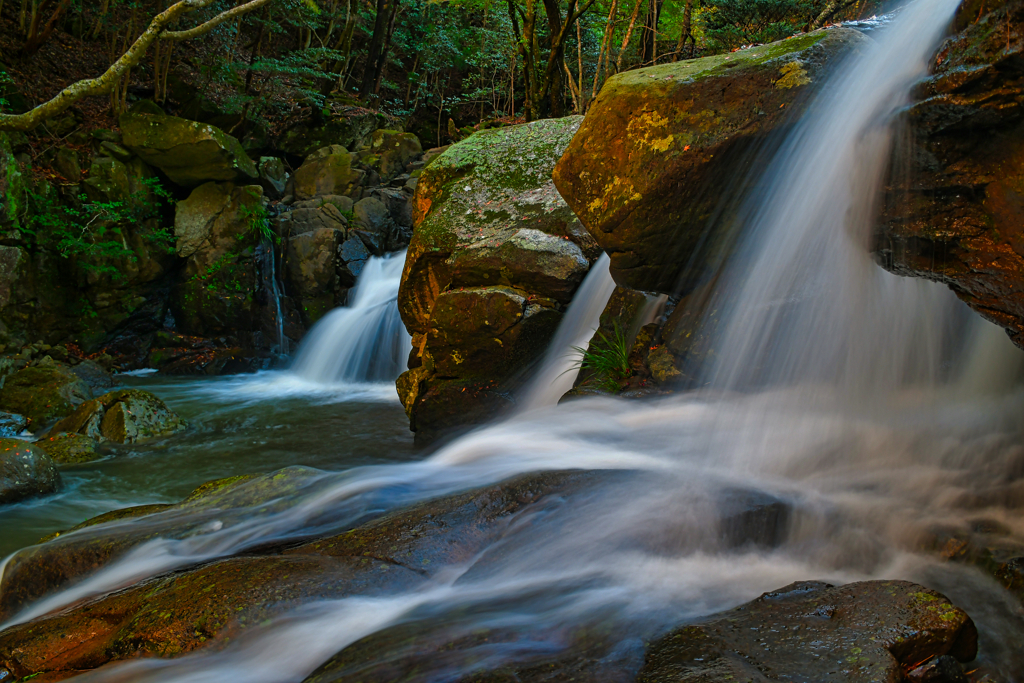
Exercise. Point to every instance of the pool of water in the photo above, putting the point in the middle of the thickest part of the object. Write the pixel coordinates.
(237, 425)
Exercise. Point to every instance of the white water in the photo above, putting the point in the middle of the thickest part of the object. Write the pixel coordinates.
(859, 430)
(557, 371)
(364, 342)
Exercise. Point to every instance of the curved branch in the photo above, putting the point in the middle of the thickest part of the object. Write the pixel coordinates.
(105, 83)
(213, 23)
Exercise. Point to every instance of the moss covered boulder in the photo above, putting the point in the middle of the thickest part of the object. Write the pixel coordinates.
(25, 471)
(216, 231)
(956, 215)
(394, 152)
(495, 257)
(351, 127)
(661, 148)
(43, 394)
(188, 152)
(70, 449)
(328, 171)
(123, 416)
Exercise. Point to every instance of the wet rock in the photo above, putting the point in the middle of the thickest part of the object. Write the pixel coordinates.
(211, 604)
(488, 221)
(398, 204)
(25, 471)
(98, 379)
(70, 449)
(312, 272)
(12, 424)
(188, 152)
(954, 214)
(43, 394)
(660, 148)
(327, 171)
(123, 416)
(273, 177)
(320, 213)
(944, 669)
(868, 631)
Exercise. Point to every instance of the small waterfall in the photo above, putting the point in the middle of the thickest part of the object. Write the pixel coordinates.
(555, 376)
(364, 341)
(268, 269)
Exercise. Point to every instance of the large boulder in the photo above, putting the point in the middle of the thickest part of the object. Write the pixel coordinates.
(123, 416)
(393, 152)
(350, 127)
(954, 212)
(70, 449)
(188, 152)
(660, 147)
(495, 257)
(327, 171)
(25, 471)
(216, 230)
(43, 394)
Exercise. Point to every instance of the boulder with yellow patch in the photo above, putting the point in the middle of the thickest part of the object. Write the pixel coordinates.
(664, 149)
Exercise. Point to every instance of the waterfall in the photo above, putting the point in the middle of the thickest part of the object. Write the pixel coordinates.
(806, 317)
(556, 372)
(803, 302)
(268, 269)
(364, 341)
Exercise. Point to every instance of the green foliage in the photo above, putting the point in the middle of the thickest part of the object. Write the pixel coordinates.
(95, 233)
(258, 222)
(606, 359)
(5, 82)
(729, 24)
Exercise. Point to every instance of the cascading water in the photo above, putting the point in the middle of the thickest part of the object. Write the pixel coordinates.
(823, 423)
(268, 270)
(556, 375)
(364, 341)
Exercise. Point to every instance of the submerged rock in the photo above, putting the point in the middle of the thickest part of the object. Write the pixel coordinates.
(663, 147)
(953, 213)
(43, 394)
(124, 416)
(25, 471)
(495, 256)
(188, 152)
(12, 424)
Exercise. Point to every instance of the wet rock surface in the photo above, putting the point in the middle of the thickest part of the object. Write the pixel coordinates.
(953, 212)
(208, 605)
(660, 149)
(496, 255)
(43, 394)
(25, 471)
(811, 631)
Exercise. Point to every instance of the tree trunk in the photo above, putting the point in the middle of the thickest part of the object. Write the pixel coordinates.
(629, 33)
(687, 33)
(380, 42)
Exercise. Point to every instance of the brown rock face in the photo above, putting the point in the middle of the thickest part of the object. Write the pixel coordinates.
(495, 257)
(811, 631)
(954, 211)
(661, 147)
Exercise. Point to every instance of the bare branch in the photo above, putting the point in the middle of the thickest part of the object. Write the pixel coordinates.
(213, 23)
(106, 82)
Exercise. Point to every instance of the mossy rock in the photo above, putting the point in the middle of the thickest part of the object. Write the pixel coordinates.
(327, 171)
(123, 416)
(25, 471)
(663, 148)
(394, 150)
(43, 394)
(70, 449)
(496, 255)
(188, 152)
